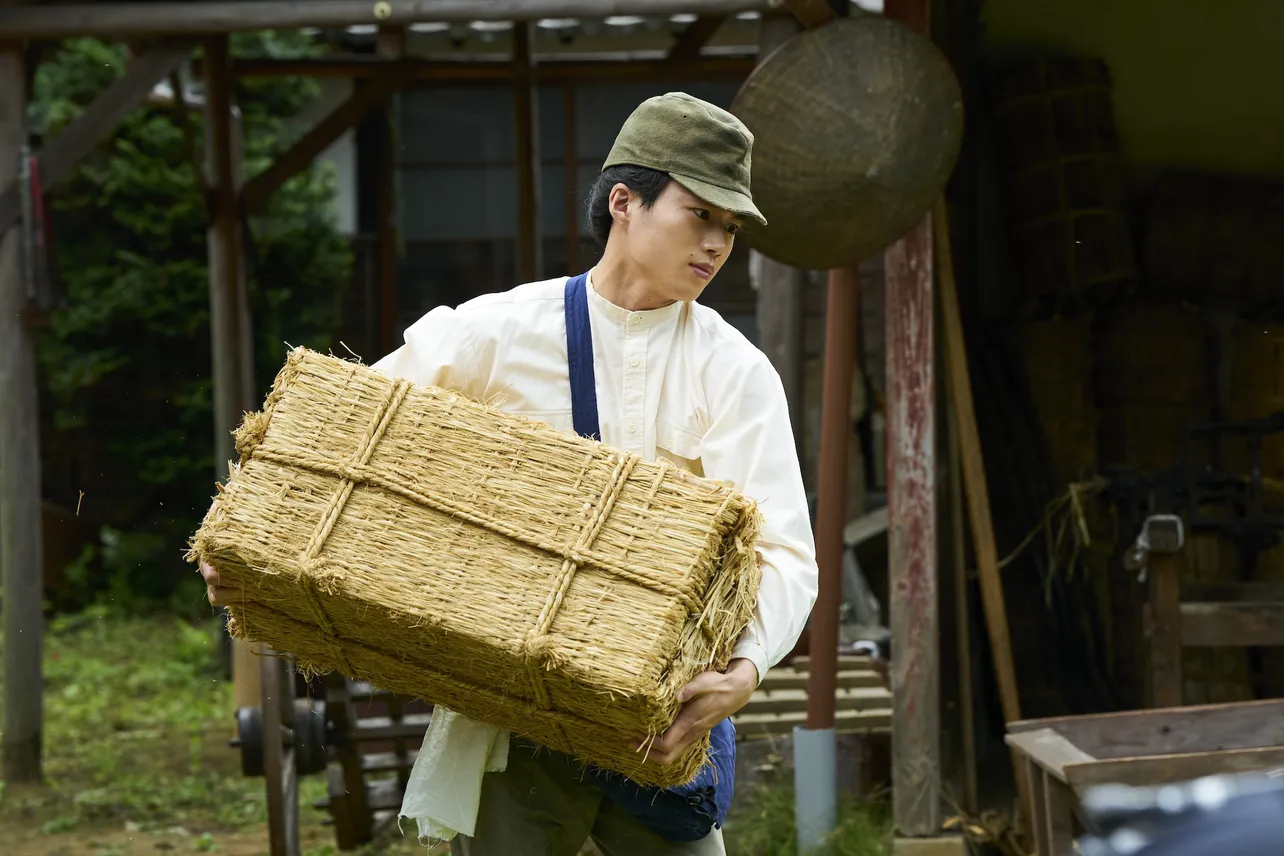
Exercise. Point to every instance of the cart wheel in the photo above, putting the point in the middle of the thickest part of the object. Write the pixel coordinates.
(309, 737)
(249, 739)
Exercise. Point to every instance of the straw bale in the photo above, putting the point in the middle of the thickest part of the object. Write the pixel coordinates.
(445, 550)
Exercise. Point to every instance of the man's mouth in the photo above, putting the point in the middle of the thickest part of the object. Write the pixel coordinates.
(702, 271)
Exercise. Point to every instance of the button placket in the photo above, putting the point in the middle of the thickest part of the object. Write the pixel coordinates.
(635, 347)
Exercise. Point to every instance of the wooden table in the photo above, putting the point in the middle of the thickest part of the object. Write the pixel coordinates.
(1064, 756)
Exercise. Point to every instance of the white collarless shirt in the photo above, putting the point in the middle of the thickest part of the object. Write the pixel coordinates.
(677, 382)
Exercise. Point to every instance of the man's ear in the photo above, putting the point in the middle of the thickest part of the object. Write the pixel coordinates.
(619, 203)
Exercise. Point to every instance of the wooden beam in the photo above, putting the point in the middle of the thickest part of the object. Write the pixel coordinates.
(842, 306)
(1232, 625)
(231, 346)
(694, 37)
(647, 66)
(1166, 769)
(811, 13)
(97, 120)
(912, 542)
(21, 563)
(390, 44)
(530, 244)
(1164, 629)
(571, 176)
(205, 18)
(368, 98)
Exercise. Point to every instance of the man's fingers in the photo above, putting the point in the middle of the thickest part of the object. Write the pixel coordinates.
(702, 683)
(225, 595)
(209, 574)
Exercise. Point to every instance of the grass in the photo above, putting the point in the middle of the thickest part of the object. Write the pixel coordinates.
(137, 718)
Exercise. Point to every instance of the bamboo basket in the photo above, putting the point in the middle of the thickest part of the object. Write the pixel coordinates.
(444, 550)
(1063, 184)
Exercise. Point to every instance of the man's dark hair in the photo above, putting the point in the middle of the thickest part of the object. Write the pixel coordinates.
(647, 183)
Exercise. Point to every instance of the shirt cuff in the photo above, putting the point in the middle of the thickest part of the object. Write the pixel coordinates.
(749, 649)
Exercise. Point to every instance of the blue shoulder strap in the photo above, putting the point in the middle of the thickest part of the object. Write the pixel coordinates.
(687, 812)
(579, 357)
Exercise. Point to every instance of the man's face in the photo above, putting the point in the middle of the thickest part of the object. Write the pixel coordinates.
(678, 245)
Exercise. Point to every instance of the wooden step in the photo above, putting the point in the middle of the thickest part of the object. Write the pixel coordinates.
(754, 725)
(784, 701)
(789, 679)
(384, 728)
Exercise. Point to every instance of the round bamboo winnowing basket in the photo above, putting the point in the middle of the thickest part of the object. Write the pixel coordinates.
(1256, 390)
(857, 125)
(1058, 366)
(1063, 184)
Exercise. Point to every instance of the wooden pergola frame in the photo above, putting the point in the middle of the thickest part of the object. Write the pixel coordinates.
(911, 408)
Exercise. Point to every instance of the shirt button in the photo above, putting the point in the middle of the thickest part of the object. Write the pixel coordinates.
(633, 429)
(634, 362)
(634, 318)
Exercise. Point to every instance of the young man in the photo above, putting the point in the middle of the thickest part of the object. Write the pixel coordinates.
(625, 353)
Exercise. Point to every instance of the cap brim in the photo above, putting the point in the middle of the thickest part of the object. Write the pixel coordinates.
(720, 197)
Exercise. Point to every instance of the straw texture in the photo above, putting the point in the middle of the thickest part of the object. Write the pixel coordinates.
(442, 549)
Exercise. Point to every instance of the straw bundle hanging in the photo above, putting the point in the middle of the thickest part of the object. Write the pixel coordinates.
(442, 549)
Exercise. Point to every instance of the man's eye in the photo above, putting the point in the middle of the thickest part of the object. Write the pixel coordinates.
(701, 213)
(732, 228)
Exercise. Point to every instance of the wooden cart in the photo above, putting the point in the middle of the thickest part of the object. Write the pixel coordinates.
(1063, 756)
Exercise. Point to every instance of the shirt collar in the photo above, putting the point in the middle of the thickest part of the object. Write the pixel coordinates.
(639, 318)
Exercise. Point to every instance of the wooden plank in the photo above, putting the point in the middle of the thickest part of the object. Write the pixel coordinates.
(1164, 627)
(1165, 769)
(1058, 817)
(1038, 808)
(620, 66)
(1232, 625)
(201, 17)
(785, 701)
(21, 562)
(845, 722)
(352, 815)
(368, 98)
(571, 177)
(1049, 750)
(778, 679)
(811, 13)
(1178, 730)
(97, 120)
(912, 545)
(963, 622)
(846, 663)
(1219, 592)
(530, 242)
(697, 34)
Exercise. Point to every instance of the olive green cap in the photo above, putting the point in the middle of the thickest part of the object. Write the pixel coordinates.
(701, 146)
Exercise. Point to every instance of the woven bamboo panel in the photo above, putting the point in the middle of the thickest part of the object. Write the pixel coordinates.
(1058, 368)
(444, 550)
(1063, 183)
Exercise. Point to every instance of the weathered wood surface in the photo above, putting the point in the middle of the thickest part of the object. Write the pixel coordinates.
(911, 468)
(1179, 730)
(1163, 769)
(204, 18)
(1164, 626)
(633, 65)
(1050, 750)
(530, 243)
(1232, 624)
(21, 565)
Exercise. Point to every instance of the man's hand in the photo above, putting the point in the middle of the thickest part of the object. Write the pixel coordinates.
(220, 595)
(710, 698)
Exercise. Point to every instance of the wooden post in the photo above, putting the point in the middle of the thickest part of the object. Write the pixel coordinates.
(571, 177)
(780, 288)
(230, 335)
(1164, 630)
(391, 44)
(530, 245)
(912, 548)
(21, 564)
(843, 303)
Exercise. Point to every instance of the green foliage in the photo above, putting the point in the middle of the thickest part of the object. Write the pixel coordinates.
(126, 369)
(763, 821)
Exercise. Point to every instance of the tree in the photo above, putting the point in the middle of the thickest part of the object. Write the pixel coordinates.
(125, 367)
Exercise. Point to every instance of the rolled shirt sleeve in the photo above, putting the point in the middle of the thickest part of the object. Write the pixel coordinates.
(750, 443)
